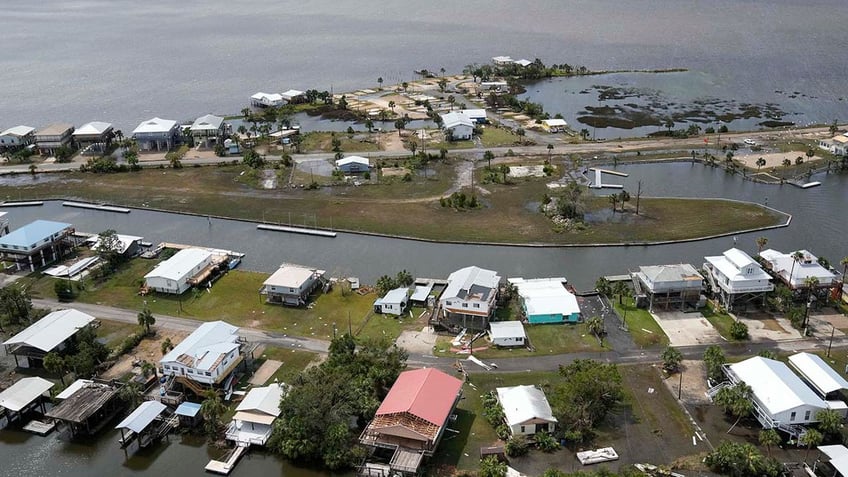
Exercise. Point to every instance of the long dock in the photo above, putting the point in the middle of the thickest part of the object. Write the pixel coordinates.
(296, 230)
(26, 203)
(607, 171)
(224, 468)
(104, 208)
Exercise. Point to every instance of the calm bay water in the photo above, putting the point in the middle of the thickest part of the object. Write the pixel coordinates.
(124, 61)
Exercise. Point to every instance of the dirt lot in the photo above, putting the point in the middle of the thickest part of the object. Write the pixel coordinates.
(418, 342)
(149, 349)
(774, 159)
(686, 329)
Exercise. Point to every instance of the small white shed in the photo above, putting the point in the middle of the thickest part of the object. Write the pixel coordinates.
(394, 303)
(507, 333)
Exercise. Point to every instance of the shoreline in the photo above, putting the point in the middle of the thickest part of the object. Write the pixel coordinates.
(785, 215)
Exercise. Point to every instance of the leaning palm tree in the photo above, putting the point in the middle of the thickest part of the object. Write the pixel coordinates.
(797, 256)
(761, 244)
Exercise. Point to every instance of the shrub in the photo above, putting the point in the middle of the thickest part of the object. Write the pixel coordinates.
(64, 290)
(516, 446)
(407, 177)
(546, 442)
(128, 344)
(739, 331)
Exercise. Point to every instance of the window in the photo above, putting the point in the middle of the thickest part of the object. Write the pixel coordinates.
(208, 373)
(522, 429)
(807, 416)
(476, 305)
(464, 305)
(792, 417)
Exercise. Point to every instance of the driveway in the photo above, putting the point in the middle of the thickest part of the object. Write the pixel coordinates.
(687, 329)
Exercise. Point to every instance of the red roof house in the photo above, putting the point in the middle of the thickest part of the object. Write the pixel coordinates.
(414, 414)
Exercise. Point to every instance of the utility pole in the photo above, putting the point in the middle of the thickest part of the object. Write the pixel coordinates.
(680, 385)
(638, 195)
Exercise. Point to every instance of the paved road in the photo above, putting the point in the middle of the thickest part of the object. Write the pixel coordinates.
(630, 354)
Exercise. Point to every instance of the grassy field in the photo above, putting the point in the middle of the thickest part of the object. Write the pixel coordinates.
(235, 299)
(322, 142)
(546, 339)
(112, 333)
(508, 215)
(294, 362)
(498, 137)
(643, 328)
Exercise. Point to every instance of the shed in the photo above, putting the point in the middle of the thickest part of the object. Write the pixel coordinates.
(554, 125)
(353, 164)
(189, 413)
(507, 333)
(819, 375)
(394, 303)
(526, 410)
(20, 396)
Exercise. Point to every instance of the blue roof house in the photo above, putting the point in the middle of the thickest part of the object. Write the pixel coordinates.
(36, 244)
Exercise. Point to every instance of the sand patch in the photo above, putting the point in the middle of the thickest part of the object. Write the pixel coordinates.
(773, 159)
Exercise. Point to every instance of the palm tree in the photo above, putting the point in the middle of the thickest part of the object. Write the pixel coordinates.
(392, 106)
(212, 408)
(245, 112)
(761, 244)
(488, 156)
(760, 163)
(603, 286)
(768, 438)
(131, 393)
(595, 325)
(380, 82)
(620, 288)
(810, 438)
(146, 319)
(797, 256)
(167, 346)
(787, 162)
(451, 101)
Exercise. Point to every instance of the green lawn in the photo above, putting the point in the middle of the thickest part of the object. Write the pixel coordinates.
(720, 321)
(498, 137)
(113, 332)
(642, 326)
(294, 362)
(235, 298)
(546, 339)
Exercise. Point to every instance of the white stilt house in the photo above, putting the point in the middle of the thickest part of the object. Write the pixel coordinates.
(735, 277)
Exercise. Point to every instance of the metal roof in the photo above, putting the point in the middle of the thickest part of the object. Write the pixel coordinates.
(461, 282)
(176, 267)
(125, 241)
(775, 385)
(291, 276)
(23, 392)
(18, 131)
(351, 160)
(396, 296)
(523, 403)
(555, 122)
(143, 415)
(818, 373)
(291, 94)
(671, 273)
(188, 409)
(265, 400)
(209, 122)
(94, 127)
(506, 329)
(545, 296)
(205, 345)
(74, 387)
(474, 113)
(54, 129)
(155, 125)
(838, 455)
(425, 393)
(48, 332)
(32, 233)
(456, 118)
(783, 264)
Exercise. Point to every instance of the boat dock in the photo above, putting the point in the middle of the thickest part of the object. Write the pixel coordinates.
(607, 171)
(226, 466)
(39, 427)
(296, 230)
(31, 203)
(104, 208)
(216, 251)
(598, 183)
(618, 278)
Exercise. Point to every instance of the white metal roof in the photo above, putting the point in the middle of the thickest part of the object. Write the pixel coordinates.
(523, 62)
(94, 127)
(396, 296)
(463, 280)
(838, 455)
(19, 131)
(783, 264)
(523, 403)
(732, 264)
(48, 332)
(155, 125)
(291, 94)
(267, 98)
(775, 385)
(543, 296)
(176, 267)
(818, 373)
(456, 118)
(506, 329)
(208, 122)
(265, 400)
(555, 122)
(291, 276)
(474, 113)
(188, 409)
(74, 387)
(23, 392)
(205, 345)
(142, 416)
(351, 160)
(502, 59)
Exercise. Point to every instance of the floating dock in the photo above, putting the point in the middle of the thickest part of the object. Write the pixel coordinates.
(31, 203)
(296, 230)
(39, 427)
(225, 467)
(104, 208)
(598, 183)
(810, 184)
(607, 171)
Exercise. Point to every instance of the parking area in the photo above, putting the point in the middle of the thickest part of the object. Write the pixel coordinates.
(687, 329)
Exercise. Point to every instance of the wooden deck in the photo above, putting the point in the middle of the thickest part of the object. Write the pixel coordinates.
(39, 427)
(225, 467)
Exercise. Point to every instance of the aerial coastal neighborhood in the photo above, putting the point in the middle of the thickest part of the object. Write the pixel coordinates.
(113, 339)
